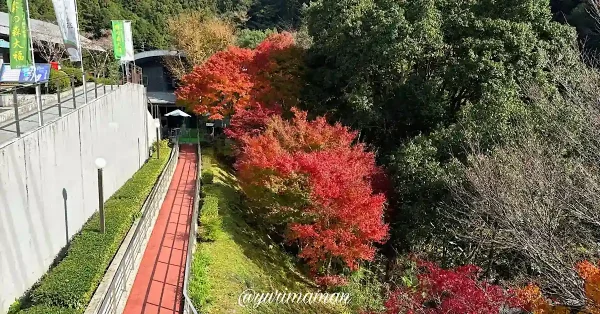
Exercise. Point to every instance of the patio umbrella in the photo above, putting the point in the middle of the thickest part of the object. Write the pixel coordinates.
(178, 113)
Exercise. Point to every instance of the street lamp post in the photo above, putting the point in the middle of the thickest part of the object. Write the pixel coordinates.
(157, 125)
(100, 164)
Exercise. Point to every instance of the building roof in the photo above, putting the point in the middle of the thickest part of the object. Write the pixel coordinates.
(157, 53)
(45, 31)
(161, 97)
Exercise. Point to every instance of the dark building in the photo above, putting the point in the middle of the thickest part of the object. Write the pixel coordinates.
(161, 86)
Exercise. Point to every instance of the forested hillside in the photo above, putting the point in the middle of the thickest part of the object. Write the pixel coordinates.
(150, 16)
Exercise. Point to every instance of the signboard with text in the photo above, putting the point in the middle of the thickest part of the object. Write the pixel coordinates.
(25, 75)
(66, 16)
(20, 53)
(122, 40)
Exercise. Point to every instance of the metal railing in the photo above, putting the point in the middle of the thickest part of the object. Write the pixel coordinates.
(132, 74)
(27, 107)
(188, 306)
(117, 287)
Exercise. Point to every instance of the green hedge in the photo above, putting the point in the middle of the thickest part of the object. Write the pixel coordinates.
(199, 286)
(68, 287)
(210, 221)
(42, 309)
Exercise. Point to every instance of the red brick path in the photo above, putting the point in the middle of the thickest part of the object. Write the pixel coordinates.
(158, 285)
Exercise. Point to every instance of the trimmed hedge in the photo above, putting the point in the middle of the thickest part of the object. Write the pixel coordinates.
(200, 286)
(69, 287)
(210, 221)
(42, 309)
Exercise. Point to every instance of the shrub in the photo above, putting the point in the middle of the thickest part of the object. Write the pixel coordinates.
(71, 284)
(224, 149)
(207, 177)
(210, 221)
(104, 80)
(42, 309)
(75, 73)
(456, 290)
(199, 286)
(59, 80)
(365, 288)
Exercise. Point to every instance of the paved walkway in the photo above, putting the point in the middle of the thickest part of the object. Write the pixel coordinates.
(158, 285)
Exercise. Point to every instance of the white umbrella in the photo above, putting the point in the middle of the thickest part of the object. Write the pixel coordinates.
(177, 113)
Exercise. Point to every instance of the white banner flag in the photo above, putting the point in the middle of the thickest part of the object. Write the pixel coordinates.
(66, 16)
(129, 53)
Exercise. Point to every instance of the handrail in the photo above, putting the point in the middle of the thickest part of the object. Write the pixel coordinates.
(188, 305)
(150, 209)
(35, 105)
(64, 99)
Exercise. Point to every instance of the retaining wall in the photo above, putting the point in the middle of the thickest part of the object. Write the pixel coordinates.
(48, 181)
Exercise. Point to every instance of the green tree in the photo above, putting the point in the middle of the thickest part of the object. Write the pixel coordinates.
(423, 78)
(250, 38)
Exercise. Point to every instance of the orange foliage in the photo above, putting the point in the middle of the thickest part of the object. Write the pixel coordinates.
(536, 303)
(591, 274)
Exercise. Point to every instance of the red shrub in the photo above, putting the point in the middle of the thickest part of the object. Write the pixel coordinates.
(453, 291)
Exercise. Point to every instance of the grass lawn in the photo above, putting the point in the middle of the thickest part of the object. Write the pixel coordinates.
(242, 258)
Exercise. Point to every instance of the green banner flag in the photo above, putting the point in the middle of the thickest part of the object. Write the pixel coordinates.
(20, 53)
(118, 35)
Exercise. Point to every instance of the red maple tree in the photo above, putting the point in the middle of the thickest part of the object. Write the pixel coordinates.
(220, 85)
(250, 120)
(310, 178)
(278, 70)
(236, 78)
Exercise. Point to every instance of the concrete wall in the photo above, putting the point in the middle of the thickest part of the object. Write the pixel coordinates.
(152, 128)
(48, 182)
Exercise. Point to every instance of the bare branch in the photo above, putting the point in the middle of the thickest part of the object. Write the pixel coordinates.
(540, 195)
(51, 52)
